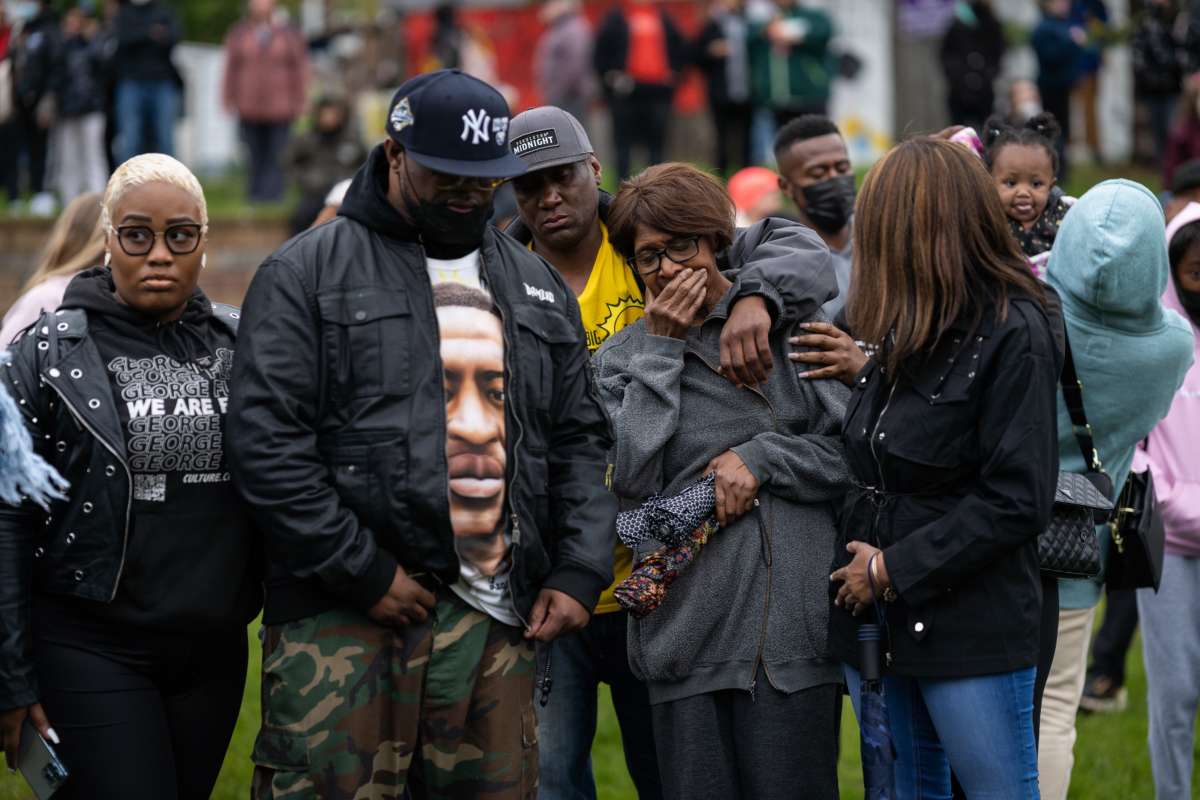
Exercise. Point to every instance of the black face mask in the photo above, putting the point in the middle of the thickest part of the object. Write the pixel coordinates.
(449, 234)
(446, 233)
(830, 203)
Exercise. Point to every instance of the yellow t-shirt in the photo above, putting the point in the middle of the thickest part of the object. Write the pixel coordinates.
(610, 301)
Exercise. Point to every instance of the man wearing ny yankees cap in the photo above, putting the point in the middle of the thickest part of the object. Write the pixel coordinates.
(413, 421)
(562, 214)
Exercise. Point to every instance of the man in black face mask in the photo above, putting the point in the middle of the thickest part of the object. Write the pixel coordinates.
(431, 484)
(815, 171)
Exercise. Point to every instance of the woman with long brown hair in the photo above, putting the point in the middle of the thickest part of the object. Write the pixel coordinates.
(76, 242)
(950, 436)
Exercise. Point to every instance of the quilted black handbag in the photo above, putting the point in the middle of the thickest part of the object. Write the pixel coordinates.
(1136, 557)
(1069, 547)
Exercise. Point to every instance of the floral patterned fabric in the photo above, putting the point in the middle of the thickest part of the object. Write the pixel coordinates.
(646, 587)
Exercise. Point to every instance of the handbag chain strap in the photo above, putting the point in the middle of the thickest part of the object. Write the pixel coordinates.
(1072, 389)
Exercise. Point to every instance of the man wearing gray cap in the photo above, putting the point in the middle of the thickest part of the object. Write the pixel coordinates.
(415, 426)
(562, 215)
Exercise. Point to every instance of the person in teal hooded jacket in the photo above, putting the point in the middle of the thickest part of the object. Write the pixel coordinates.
(1110, 267)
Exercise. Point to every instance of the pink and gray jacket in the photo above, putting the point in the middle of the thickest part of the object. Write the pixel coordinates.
(1171, 450)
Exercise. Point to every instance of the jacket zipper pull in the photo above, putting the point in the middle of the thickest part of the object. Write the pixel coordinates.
(547, 682)
(516, 528)
(887, 658)
(762, 534)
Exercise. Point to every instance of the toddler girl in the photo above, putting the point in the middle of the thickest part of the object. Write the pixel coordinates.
(1023, 162)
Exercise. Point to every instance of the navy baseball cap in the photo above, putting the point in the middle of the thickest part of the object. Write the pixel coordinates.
(453, 123)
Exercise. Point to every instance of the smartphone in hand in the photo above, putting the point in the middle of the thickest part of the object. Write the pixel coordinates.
(39, 764)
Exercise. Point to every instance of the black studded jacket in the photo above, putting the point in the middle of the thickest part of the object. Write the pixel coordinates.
(955, 465)
(110, 549)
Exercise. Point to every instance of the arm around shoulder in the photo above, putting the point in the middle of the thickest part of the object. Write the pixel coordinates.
(787, 264)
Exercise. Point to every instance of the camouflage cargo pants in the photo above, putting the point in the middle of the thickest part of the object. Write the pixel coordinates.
(352, 710)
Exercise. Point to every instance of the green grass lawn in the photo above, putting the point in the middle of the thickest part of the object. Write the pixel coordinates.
(1111, 758)
(225, 195)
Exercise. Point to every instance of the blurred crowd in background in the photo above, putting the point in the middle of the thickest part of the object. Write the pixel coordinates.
(85, 86)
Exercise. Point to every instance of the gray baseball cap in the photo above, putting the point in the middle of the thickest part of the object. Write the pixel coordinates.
(548, 137)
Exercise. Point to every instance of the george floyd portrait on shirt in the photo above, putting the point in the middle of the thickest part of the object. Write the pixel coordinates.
(472, 350)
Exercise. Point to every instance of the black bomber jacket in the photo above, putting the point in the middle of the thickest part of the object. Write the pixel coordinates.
(338, 425)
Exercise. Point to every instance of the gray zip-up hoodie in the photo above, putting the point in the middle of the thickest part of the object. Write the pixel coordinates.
(759, 591)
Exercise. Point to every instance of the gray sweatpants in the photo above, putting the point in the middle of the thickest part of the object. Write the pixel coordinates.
(727, 745)
(1171, 643)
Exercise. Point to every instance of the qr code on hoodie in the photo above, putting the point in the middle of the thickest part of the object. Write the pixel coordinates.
(150, 487)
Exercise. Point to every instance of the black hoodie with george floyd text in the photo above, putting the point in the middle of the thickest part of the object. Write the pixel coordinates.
(192, 553)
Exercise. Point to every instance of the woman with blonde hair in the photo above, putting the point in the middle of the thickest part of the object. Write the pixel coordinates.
(123, 608)
(76, 242)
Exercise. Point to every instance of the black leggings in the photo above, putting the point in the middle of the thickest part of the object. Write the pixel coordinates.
(140, 714)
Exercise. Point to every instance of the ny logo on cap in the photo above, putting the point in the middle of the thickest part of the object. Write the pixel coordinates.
(481, 128)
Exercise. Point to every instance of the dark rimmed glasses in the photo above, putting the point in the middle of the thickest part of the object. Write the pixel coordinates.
(449, 183)
(138, 240)
(681, 250)
(445, 182)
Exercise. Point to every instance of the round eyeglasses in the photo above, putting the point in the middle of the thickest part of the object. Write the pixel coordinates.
(138, 240)
(680, 251)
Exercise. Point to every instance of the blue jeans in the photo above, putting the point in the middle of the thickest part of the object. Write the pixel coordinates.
(265, 145)
(579, 662)
(146, 114)
(981, 726)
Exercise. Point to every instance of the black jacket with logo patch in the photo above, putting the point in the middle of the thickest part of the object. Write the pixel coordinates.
(338, 422)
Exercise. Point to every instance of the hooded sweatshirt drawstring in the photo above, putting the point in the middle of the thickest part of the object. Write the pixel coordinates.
(180, 340)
